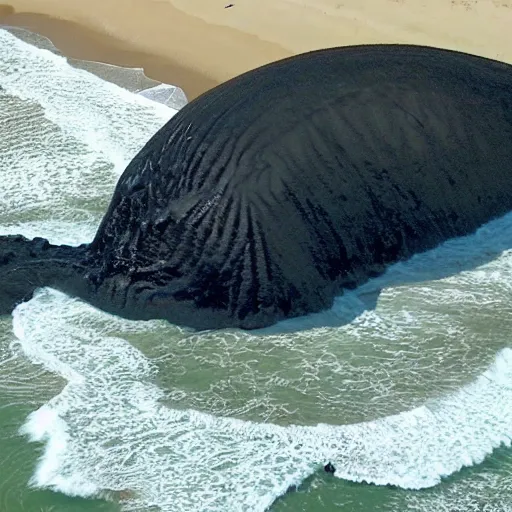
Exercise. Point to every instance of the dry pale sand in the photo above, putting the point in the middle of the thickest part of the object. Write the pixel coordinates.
(198, 43)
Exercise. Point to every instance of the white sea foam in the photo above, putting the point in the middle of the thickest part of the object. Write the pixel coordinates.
(57, 232)
(108, 430)
(112, 121)
(66, 135)
(131, 79)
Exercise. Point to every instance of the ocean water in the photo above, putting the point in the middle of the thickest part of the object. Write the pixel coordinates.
(405, 386)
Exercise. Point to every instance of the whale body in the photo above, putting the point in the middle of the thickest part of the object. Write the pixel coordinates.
(270, 194)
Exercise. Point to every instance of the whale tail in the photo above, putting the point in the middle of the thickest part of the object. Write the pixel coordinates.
(26, 265)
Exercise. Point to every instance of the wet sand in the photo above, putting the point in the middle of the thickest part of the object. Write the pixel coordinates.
(196, 44)
(80, 42)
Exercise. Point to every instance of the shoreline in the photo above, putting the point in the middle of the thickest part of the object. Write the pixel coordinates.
(197, 44)
(79, 42)
(170, 45)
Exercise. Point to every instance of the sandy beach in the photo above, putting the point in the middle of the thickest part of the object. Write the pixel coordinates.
(198, 43)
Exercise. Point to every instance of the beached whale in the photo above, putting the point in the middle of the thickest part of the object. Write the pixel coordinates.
(267, 196)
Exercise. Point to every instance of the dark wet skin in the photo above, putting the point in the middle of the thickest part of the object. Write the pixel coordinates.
(267, 196)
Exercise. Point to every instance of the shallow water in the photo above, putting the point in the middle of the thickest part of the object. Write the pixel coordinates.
(100, 413)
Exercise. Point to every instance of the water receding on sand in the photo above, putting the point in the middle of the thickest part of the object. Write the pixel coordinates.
(109, 414)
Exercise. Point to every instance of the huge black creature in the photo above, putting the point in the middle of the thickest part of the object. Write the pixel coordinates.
(267, 196)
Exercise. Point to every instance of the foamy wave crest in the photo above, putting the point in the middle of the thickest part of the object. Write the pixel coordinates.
(417, 448)
(67, 136)
(85, 107)
(131, 79)
(57, 232)
(108, 429)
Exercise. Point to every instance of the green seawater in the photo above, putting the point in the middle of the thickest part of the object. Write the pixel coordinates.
(25, 387)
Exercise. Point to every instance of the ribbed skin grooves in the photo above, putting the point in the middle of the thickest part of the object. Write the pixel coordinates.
(266, 196)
